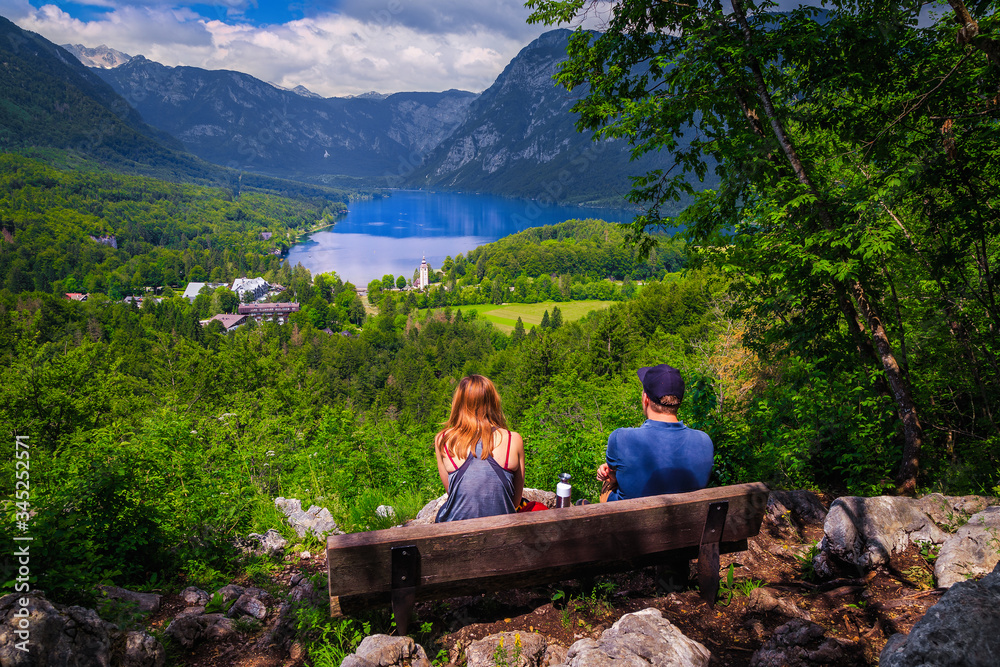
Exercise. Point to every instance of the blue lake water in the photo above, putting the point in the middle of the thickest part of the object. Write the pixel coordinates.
(391, 235)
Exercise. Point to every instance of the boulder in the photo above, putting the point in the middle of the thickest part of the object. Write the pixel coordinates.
(61, 635)
(801, 643)
(230, 592)
(788, 512)
(188, 631)
(147, 602)
(428, 513)
(141, 650)
(519, 649)
(190, 611)
(642, 638)
(195, 597)
(247, 605)
(386, 651)
(316, 520)
(960, 630)
(864, 532)
(973, 550)
(270, 543)
(386, 511)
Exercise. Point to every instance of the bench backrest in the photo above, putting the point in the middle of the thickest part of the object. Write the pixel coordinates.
(476, 555)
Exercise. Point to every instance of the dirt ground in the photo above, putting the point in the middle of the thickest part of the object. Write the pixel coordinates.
(863, 612)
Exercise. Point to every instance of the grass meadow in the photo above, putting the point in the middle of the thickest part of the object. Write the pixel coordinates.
(505, 317)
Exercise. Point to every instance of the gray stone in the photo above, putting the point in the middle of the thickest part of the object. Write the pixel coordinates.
(270, 543)
(195, 596)
(316, 520)
(247, 605)
(961, 630)
(142, 650)
(71, 636)
(230, 592)
(805, 506)
(974, 550)
(864, 532)
(190, 611)
(147, 602)
(801, 643)
(189, 631)
(640, 639)
(386, 651)
(303, 592)
(554, 655)
(520, 649)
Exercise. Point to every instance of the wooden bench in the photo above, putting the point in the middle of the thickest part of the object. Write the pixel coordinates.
(431, 562)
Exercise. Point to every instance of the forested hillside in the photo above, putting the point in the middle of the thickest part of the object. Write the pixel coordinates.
(165, 234)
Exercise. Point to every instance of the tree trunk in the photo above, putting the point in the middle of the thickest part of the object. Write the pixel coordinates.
(906, 477)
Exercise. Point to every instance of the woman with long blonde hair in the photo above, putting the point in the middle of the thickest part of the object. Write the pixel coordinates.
(469, 451)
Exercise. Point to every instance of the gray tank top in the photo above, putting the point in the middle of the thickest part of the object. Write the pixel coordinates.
(478, 488)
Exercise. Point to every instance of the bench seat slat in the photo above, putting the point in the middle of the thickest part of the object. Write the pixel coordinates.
(479, 554)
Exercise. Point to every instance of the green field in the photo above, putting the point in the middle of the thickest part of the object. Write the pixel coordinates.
(505, 316)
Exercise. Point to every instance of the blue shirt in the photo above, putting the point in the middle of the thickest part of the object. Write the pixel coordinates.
(659, 457)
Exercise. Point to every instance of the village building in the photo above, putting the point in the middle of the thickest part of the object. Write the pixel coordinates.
(193, 289)
(424, 280)
(229, 321)
(76, 296)
(256, 288)
(271, 312)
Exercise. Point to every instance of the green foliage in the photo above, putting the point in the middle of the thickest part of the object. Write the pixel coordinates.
(731, 587)
(805, 561)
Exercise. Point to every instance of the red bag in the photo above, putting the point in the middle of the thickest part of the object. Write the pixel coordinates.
(530, 506)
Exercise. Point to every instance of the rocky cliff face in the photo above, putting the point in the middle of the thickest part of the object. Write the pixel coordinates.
(519, 138)
(237, 120)
(103, 57)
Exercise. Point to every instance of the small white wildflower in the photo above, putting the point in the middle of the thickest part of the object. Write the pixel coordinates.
(270, 452)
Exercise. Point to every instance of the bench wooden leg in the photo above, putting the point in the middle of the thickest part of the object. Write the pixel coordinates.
(405, 574)
(708, 553)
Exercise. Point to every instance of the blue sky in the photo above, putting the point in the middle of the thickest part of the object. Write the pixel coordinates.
(332, 47)
(339, 47)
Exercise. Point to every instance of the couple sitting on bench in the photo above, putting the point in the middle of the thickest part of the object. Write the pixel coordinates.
(661, 456)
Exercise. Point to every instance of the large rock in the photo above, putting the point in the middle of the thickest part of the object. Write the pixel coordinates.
(316, 520)
(386, 651)
(428, 513)
(973, 550)
(865, 532)
(270, 543)
(195, 597)
(801, 643)
(247, 605)
(519, 649)
(788, 512)
(639, 639)
(146, 602)
(71, 636)
(188, 631)
(961, 630)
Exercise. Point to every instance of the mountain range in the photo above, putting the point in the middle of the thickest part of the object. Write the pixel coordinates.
(515, 138)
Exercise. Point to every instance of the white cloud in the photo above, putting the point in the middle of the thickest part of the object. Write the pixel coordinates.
(388, 46)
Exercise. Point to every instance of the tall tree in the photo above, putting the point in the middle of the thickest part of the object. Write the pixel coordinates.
(846, 145)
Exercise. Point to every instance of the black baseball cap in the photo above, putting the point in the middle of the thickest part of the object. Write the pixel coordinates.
(660, 381)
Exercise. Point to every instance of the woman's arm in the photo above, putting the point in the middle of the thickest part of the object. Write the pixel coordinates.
(517, 456)
(440, 456)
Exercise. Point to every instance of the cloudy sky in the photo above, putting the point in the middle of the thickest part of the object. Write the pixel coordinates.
(332, 47)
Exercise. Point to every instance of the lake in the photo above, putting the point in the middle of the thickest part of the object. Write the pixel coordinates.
(391, 235)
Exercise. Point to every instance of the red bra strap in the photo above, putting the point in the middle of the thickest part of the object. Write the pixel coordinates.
(507, 458)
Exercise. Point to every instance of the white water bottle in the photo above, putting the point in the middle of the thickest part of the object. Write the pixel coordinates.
(564, 491)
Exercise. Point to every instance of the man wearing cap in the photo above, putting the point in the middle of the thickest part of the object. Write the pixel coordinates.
(661, 456)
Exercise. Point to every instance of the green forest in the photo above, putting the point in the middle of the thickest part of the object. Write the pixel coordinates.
(832, 304)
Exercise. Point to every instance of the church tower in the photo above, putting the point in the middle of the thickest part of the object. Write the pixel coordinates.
(424, 280)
